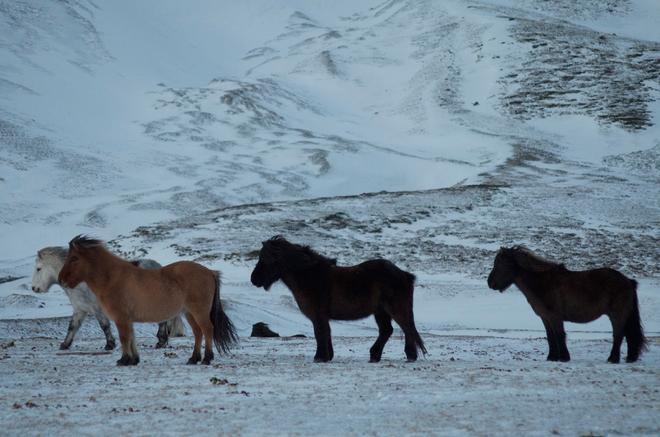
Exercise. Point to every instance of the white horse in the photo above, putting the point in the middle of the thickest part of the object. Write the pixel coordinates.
(48, 264)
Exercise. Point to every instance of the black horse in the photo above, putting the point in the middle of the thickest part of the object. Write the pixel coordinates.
(557, 295)
(325, 291)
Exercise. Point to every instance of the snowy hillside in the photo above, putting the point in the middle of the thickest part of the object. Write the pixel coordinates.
(430, 133)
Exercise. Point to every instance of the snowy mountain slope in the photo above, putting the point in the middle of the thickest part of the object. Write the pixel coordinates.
(431, 94)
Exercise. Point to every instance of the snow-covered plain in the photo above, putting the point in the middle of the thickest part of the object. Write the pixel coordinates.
(429, 133)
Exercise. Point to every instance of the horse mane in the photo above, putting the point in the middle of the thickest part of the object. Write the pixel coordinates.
(296, 256)
(528, 260)
(85, 242)
(56, 252)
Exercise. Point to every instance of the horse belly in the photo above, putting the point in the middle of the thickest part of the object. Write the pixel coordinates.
(584, 306)
(346, 309)
(355, 314)
(157, 310)
(151, 303)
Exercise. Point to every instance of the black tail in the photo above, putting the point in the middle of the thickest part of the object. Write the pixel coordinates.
(633, 330)
(419, 342)
(224, 333)
(410, 279)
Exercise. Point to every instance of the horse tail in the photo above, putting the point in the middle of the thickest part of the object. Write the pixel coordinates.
(633, 330)
(410, 282)
(224, 332)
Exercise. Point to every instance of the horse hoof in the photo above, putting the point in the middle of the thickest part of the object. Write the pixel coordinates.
(161, 345)
(125, 360)
(411, 360)
(208, 357)
(631, 359)
(109, 346)
(374, 360)
(64, 346)
(320, 360)
(614, 361)
(192, 361)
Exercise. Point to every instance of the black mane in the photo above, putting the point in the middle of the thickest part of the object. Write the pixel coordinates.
(531, 261)
(296, 255)
(85, 242)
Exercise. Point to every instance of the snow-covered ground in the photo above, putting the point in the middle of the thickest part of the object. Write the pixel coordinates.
(470, 385)
(430, 133)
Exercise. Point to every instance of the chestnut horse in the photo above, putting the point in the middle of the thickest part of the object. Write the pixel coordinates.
(130, 294)
(47, 267)
(325, 291)
(557, 295)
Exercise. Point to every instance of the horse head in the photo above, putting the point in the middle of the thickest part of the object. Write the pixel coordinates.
(78, 266)
(504, 270)
(268, 270)
(45, 270)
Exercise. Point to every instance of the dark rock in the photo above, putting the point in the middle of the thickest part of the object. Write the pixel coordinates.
(261, 329)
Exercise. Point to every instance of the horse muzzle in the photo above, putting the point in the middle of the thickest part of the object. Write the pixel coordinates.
(490, 283)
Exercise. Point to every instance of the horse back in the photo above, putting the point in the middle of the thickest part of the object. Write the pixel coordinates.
(154, 295)
(382, 269)
(602, 281)
(190, 275)
(589, 294)
(359, 290)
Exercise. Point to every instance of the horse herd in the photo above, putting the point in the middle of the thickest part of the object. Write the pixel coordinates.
(105, 285)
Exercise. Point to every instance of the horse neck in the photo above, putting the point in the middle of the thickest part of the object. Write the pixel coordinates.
(103, 264)
(532, 283)
(292, 281)
(304, 279)
(55, 264)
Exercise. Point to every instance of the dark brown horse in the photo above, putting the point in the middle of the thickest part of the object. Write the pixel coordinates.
(557, 295)
(128, 294)
(325, 291)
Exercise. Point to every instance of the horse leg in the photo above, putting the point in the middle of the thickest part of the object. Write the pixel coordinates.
(129, 355)
(207, 329)
(553, 344)
(331, 351)
(107, 330)
(560, 336)
(197, 332)
(134, 351)
(385, 330)
(162, 335)
(74, 325)
(617, 334)
(323, 341)
(405, 320)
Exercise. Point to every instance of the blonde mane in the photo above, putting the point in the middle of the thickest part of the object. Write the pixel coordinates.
(54, 254)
